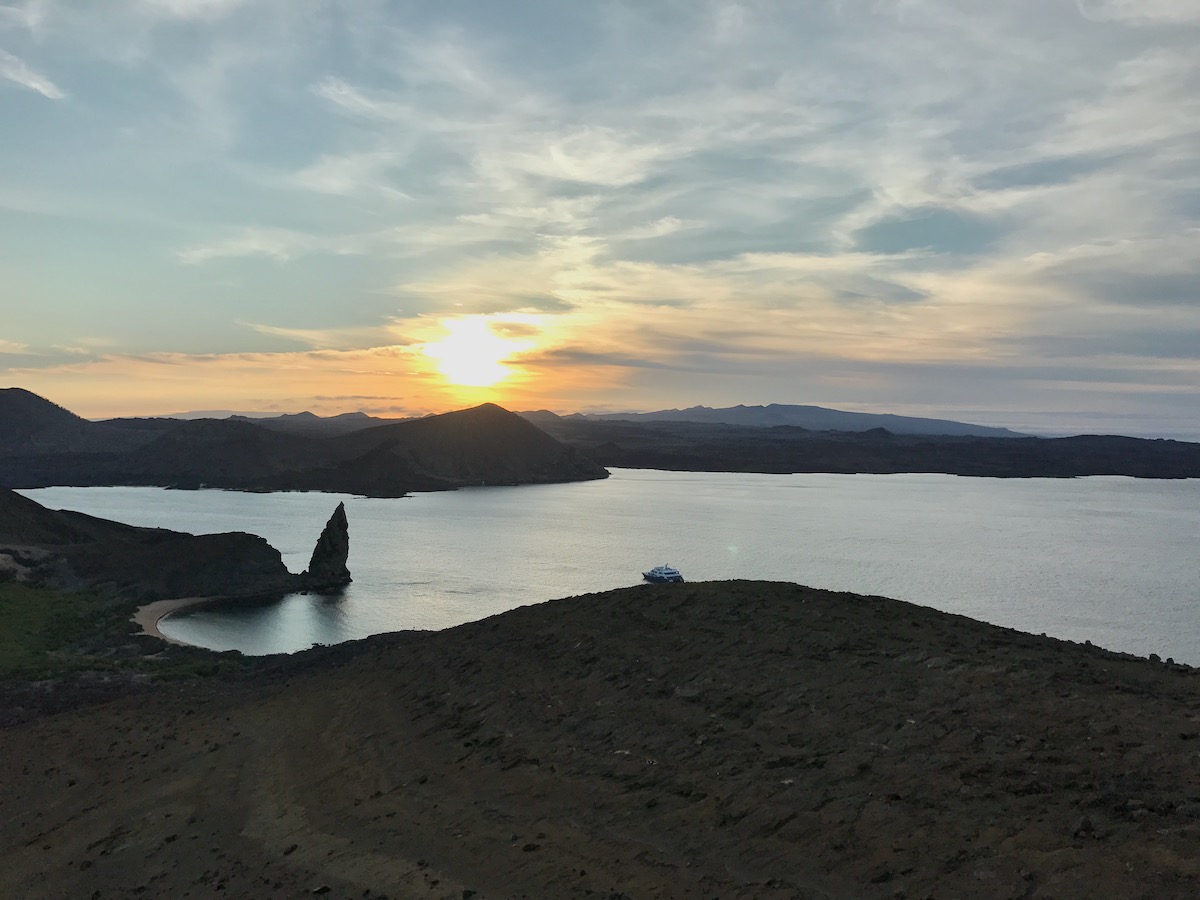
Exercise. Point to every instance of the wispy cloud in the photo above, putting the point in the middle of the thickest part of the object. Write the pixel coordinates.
(14, 69)
(351, 174)
(1140, 11)
(202, 10)
(333, 338)
(26, 14)
(278, 244)
(350, 99)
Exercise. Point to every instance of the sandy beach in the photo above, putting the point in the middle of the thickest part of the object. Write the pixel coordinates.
(729, 739)
(149, 616)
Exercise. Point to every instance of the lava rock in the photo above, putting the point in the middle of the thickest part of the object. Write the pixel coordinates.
(327, 567)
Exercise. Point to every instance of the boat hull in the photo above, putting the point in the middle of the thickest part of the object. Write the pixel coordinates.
(662, 579)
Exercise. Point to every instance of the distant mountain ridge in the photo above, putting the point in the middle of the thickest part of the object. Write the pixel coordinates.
(691, 446)
(310, 423)
(297, 423)
(42, 444)
(813, 418)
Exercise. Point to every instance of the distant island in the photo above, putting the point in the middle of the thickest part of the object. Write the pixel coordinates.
(812, 418)
(42, 444)
(771, 439)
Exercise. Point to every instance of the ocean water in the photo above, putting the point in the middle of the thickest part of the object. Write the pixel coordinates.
(1106, 559)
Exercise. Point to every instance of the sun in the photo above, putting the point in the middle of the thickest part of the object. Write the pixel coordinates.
(472, 354)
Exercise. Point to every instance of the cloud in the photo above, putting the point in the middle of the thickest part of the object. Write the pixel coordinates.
(29, 14)
(582, 355)
(13, 347)
(14, 69)
(350, 99)
(332, 338)
(202, 10)
(276, 244)
(660, 228)
(1140, 11)
(588, 155)
(350, 174)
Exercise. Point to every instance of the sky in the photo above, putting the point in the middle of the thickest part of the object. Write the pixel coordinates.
(981, 211)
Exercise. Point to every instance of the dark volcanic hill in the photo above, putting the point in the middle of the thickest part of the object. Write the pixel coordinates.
(27, 419)
(737, 740)
(221, 453)
(484, 445)
(32, 425)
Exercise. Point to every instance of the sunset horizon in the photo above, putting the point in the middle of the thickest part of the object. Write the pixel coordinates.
(981, 214)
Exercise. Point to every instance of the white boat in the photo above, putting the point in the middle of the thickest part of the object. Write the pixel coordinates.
(661, 574)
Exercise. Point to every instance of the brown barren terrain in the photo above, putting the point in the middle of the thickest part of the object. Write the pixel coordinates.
(726, 740)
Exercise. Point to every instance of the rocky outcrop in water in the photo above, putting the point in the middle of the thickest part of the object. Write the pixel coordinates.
(327, 568)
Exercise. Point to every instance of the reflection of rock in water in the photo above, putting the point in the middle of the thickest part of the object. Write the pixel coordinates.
(327, 568)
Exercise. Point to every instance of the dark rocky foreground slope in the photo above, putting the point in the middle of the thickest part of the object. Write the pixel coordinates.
(729, 740)
(42, 444)
(67, 550)
(700, 447)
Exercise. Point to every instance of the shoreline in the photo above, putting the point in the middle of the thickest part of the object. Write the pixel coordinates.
(150, 615)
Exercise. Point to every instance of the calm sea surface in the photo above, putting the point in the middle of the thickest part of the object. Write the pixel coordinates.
(1110, 560)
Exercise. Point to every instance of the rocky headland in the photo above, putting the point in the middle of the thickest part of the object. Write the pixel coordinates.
(730, 739)
(71, 551)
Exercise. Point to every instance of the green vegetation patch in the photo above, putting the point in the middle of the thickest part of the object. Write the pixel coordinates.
(44, 632)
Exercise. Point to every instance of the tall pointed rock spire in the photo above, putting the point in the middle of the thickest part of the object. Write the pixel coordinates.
(327, 568)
